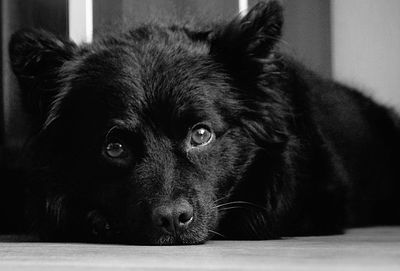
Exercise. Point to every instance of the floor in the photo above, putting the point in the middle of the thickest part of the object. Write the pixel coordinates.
(358, 249)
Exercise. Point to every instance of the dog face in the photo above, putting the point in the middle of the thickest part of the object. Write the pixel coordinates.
(151, 136)
(144, 134)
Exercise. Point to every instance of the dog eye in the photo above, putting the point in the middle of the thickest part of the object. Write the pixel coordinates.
(201, 136)
(116, 150)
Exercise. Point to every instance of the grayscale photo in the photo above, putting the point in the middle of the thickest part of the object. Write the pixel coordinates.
(200, 135)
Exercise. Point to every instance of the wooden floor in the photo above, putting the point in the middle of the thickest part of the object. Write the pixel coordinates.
(359, 249)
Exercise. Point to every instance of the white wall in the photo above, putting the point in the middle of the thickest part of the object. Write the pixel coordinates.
(80, 20)
(366, 46)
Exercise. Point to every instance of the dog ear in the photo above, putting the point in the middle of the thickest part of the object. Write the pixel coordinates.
(36, 57)
(249, 38)
(245, 48)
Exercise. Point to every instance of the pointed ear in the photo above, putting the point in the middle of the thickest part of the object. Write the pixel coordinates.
(249, 38)
(36, 57)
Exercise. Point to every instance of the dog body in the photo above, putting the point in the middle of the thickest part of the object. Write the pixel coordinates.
(169, 135)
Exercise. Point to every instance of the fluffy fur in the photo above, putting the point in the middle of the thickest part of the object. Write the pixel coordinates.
(290, 153)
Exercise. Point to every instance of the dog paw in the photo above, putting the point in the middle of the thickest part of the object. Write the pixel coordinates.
(100, 229)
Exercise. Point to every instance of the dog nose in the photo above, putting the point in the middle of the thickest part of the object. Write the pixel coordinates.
(173, 217)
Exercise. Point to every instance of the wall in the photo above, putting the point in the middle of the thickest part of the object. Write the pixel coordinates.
(307, 33)
(16, 14)
(366, 46)
(122, 14)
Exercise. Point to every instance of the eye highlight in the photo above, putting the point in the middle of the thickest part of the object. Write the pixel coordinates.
(115, 150)
(201, 135)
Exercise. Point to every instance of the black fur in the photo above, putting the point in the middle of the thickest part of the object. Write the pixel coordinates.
(291, 153)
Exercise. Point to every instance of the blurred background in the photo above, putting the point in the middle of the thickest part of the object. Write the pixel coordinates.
(355, 41)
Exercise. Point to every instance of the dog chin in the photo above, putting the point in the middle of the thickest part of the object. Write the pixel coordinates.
(187, 238)
(169, 240)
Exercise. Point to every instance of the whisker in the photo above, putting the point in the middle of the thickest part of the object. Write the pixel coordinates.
(217, 233)
(231, 203)
(220, 199)
(230, 208)
(239, 203)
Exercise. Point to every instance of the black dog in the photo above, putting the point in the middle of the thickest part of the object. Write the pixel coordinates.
(170, 135)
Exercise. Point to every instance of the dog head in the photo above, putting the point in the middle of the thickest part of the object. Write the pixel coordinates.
(144, 134)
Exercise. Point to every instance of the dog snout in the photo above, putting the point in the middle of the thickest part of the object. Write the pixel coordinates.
(172, 218)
